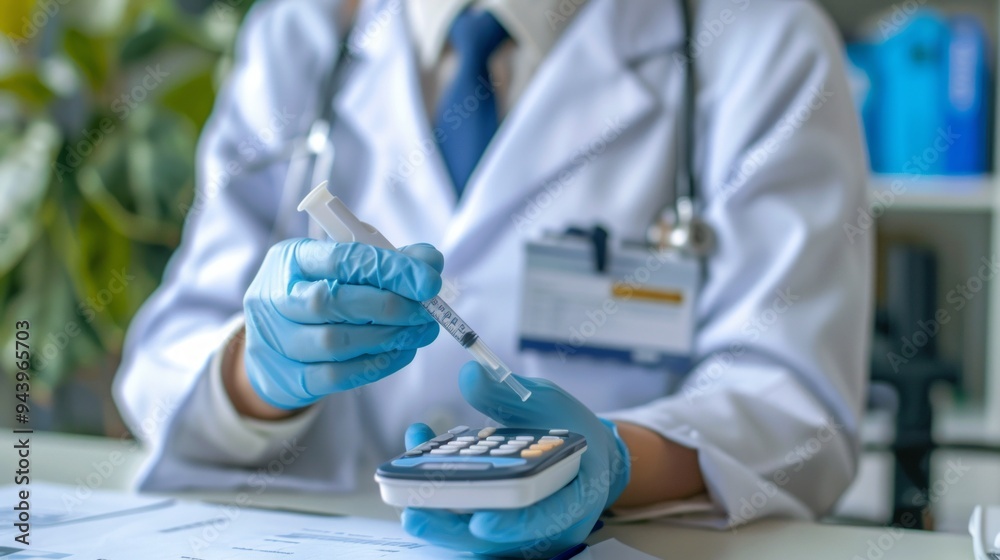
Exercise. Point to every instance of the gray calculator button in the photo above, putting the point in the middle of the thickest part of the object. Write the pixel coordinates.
(458, 429)
(505, 451)
(469, 439)
(558, 432)
(500, 439)
(413, 452)
(445, 451)
(444, 437)
(471, 451)
(525, 438)
(428, 446)
(486, 432)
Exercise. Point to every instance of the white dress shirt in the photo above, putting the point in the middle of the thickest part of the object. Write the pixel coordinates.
(533, 26)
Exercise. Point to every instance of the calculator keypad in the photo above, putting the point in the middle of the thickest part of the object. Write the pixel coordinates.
(458, 441)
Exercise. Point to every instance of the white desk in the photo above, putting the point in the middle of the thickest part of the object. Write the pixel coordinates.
(77, 460)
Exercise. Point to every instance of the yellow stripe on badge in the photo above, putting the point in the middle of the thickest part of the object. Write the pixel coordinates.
(625, 291)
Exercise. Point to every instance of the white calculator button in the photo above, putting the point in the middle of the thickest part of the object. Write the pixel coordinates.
(504, 452)
(558, 432)
(486, 432)
(471, 451)
(550, 438)
(483, 447)
(443, 438)
(458, 429)
(466, 438)
(525, 438)
(457, 444)
(456, 466)
(500, 439)
(444, 451)
(489, 443)
(518, 444)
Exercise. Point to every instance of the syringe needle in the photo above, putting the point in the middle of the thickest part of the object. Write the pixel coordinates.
(496, 368)
(451, 322)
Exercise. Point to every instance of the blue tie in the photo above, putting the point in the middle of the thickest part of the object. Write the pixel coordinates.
(467, 112)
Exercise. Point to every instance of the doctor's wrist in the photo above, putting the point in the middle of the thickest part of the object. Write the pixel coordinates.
(661, 470)
(240, 391)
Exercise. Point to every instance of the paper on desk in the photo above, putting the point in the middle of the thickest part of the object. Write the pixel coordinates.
(176, 530)
(699, 505)
(612, 549)
(52, 504)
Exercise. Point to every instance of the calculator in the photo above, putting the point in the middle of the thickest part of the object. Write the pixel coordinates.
(467, 469)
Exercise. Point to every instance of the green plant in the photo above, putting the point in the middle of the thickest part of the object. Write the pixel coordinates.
(101, 104)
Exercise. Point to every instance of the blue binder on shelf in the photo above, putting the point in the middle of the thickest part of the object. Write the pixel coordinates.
(925, 96)
(913, 67)
(967, 107)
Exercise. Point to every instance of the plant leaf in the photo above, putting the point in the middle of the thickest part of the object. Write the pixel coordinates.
(104, 269)
(15, 18)
(24, 179)
(27, 87)
(144, 43)
(42, 296)
(91, 54)
(189, 97)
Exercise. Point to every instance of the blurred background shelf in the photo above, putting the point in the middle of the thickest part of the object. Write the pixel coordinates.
(935, 194)
(958, 425)
(958, 219)
(954, 425)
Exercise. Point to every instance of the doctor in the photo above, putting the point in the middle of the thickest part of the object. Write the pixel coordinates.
(467, 133)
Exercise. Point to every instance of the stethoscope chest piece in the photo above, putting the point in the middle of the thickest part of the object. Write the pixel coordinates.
(680, 229)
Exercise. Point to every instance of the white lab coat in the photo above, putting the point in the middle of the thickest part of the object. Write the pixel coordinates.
(783, 319)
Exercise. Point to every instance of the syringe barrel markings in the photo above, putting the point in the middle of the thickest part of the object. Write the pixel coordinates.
(447, 318)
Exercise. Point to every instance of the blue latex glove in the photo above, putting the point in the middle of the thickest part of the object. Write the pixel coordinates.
(554, 524)
(324, 317)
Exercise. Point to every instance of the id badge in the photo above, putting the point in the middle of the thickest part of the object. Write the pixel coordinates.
(640, 309)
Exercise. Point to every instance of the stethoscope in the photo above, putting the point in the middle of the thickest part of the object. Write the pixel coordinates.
(677, 228)
(680, 227)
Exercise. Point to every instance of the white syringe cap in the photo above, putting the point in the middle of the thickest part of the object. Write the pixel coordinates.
(338, 221)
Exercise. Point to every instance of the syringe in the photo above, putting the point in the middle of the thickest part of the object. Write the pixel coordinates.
(344, 227)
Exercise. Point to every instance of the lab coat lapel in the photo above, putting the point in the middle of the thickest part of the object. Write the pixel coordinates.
(381, 102)
(584, 93)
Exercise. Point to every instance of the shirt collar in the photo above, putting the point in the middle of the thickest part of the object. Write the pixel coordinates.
(535, 25)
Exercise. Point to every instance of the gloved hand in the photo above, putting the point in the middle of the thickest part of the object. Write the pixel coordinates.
(553, 524)
(323, 317)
